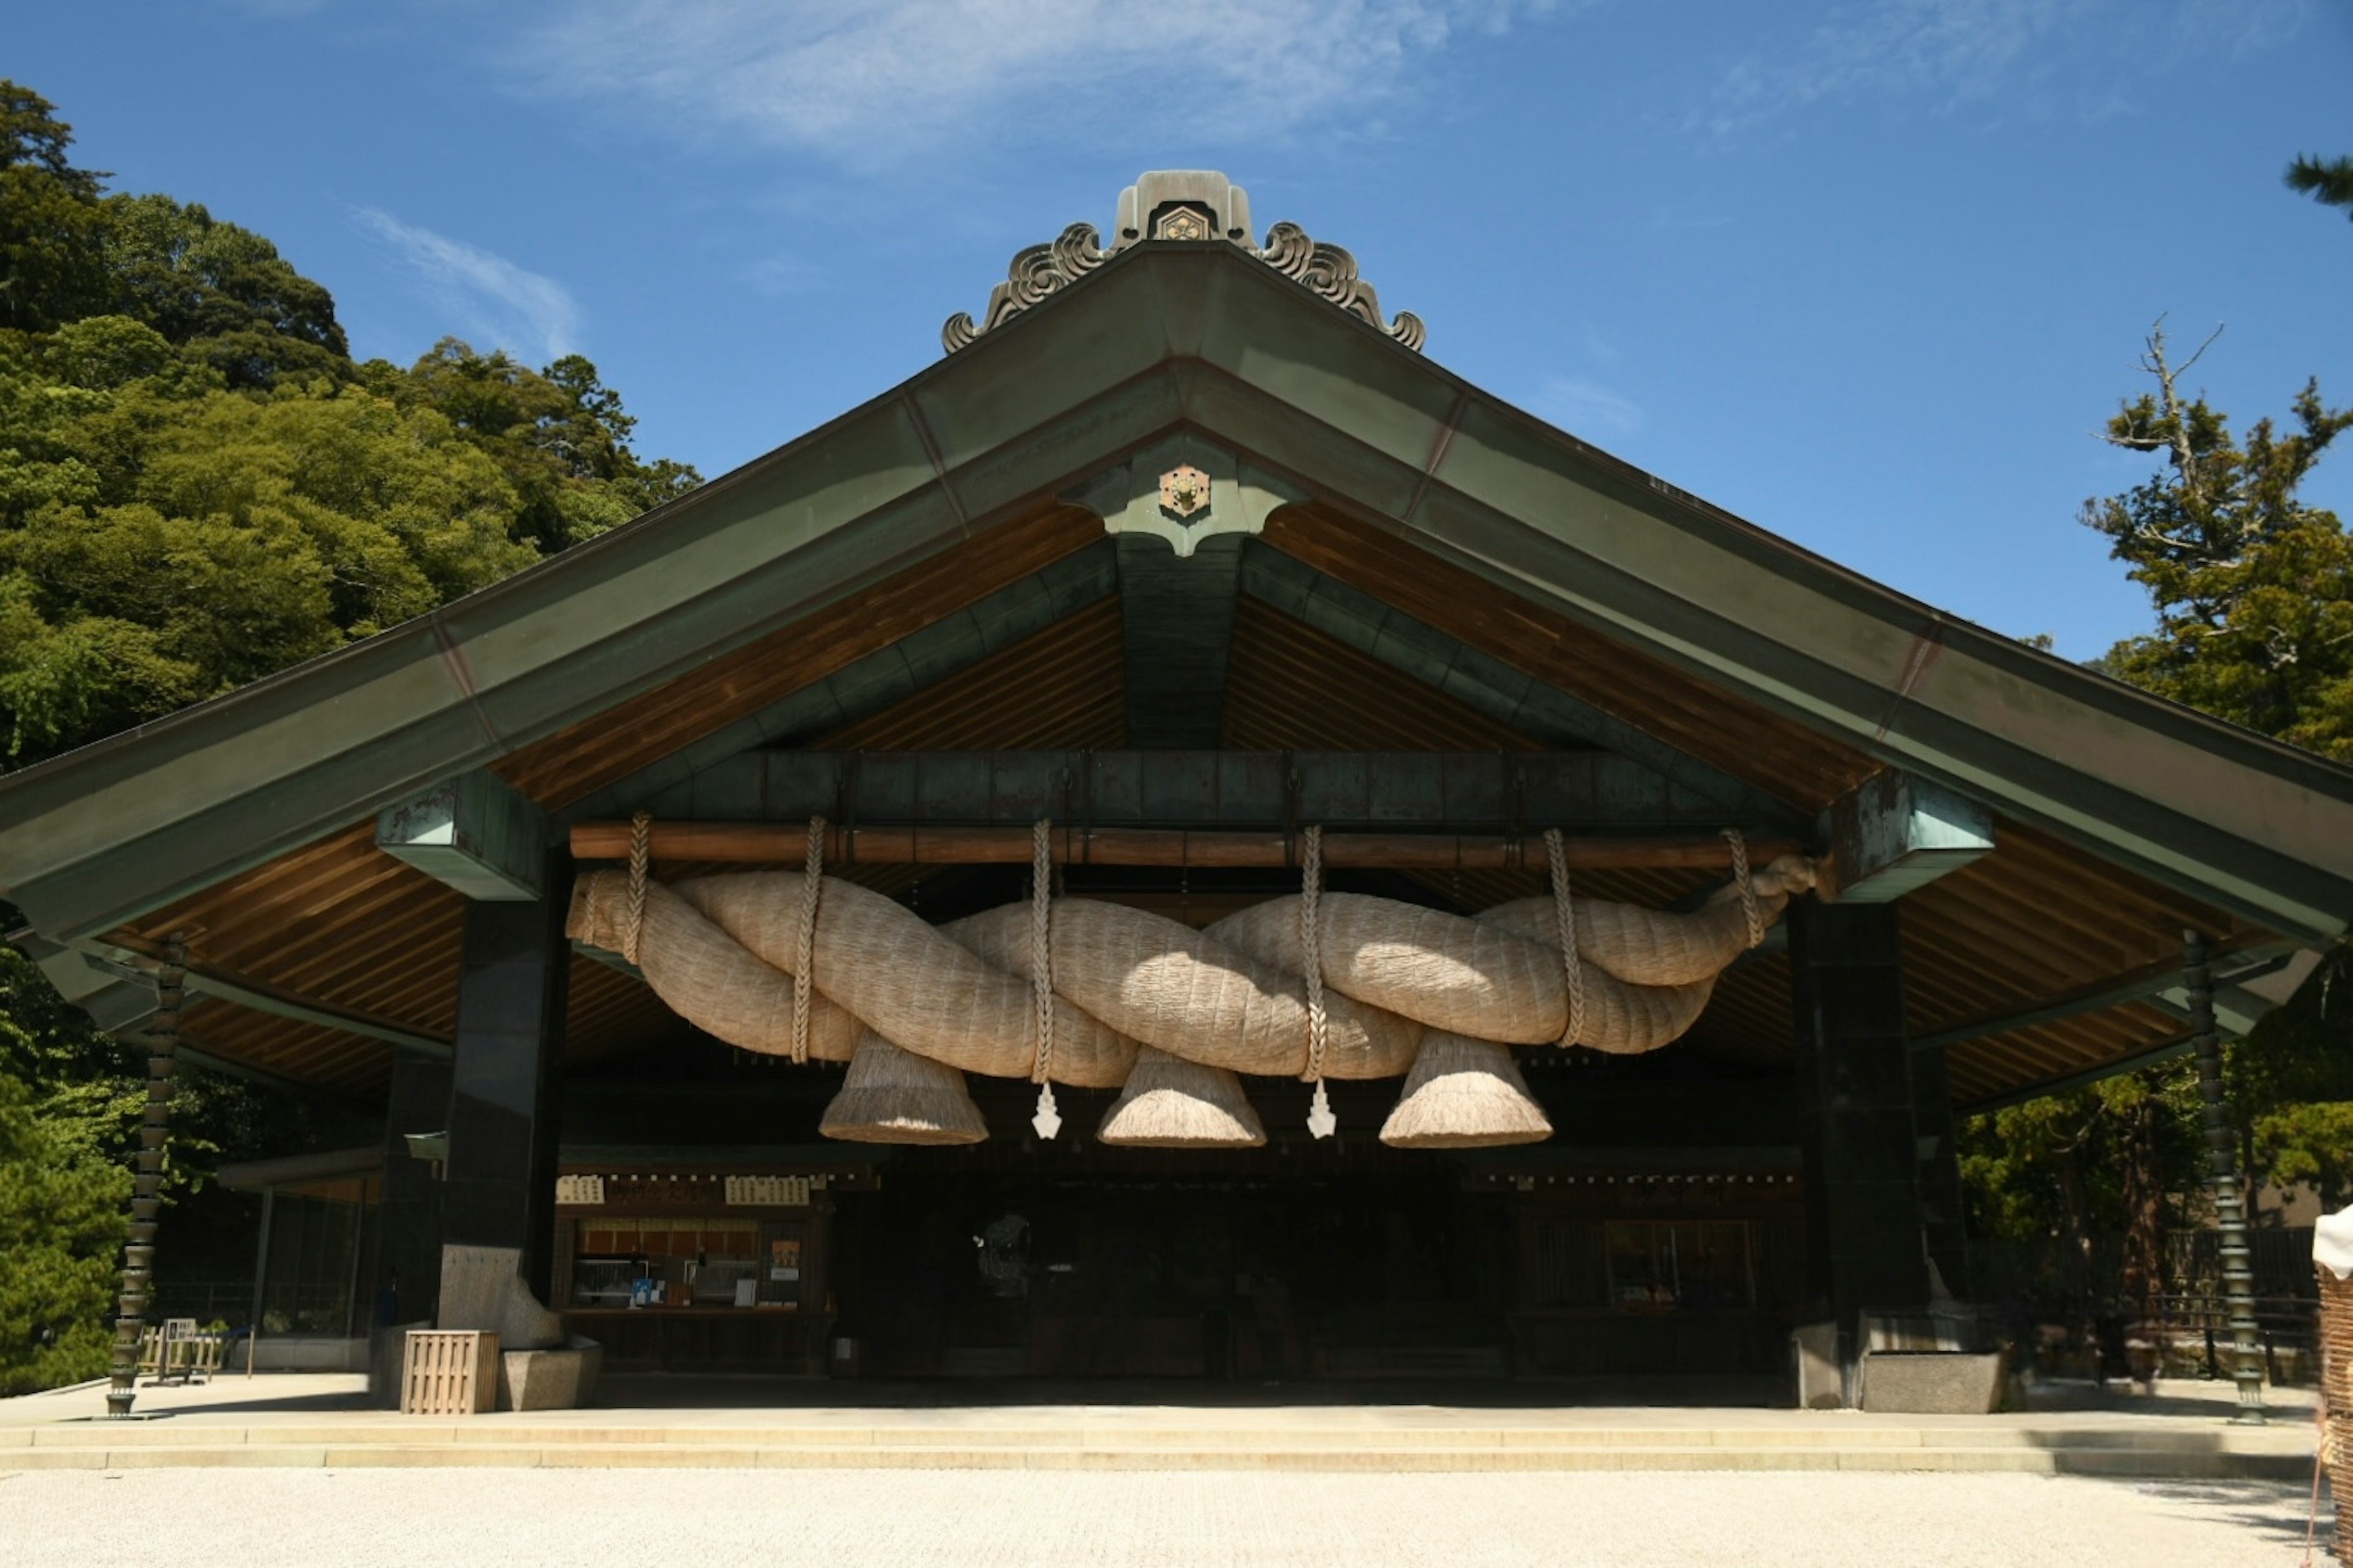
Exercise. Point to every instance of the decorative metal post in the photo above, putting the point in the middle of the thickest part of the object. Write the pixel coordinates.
(139, 1253)
(2222, 1176)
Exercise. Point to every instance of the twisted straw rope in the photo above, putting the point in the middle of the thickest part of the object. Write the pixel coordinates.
(1565, 917)
(1748, 885)
(1310, 954)
(1041, 945)
(804, 972)
(641, 830)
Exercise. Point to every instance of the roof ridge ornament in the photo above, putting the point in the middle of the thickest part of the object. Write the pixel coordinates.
(1190, 207)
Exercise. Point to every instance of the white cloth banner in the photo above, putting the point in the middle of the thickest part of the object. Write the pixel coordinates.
(2332, 1243)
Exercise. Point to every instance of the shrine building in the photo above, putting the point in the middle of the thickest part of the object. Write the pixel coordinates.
(1061, 872)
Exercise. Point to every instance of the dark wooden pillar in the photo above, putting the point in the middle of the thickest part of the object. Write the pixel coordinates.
(146, 1187)
(1941, 1218)
(1863, 1241)
(2223, 1182)
(498, 1189)
(408, 1220)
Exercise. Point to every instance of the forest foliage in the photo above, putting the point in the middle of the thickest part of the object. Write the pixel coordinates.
(199, 486)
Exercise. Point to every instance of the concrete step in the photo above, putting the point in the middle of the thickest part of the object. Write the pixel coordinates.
(718, 1448)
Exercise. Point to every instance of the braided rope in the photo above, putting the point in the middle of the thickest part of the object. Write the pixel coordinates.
(804, 972)
(1310, 954)
(641, 833)
(1321, 1123)
(1748, 885)
(1565, 917)
(1047, 1121)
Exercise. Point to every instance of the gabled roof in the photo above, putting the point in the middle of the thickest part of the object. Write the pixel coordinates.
(941, 491)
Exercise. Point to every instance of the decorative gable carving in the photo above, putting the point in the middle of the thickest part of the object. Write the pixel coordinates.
(1185, 206)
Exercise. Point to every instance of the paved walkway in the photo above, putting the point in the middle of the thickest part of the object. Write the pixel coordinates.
(322, 1421)
(873, 1518)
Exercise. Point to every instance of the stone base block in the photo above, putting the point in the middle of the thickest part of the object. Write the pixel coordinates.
(1932, 1382)
(562, 1379)
(1814, 1360)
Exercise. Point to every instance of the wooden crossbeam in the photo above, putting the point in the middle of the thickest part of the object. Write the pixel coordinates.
(788, 844)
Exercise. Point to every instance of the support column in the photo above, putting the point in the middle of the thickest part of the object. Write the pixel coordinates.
(154, 1130)
(1943, 1218)
(1863, 1243)
(2223, 1177)
(408, 1220)
(498, 1190)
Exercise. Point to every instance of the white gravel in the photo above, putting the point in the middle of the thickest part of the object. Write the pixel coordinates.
(854, 1518)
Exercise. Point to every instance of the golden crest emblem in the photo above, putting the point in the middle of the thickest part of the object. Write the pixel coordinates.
(1185, 492)
(1181, 223)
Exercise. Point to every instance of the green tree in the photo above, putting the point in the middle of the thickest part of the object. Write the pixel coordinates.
(560, 435)
(2328, 180)
(2291, 1083)
(2253, 588)
(52, 226)
(222, 291)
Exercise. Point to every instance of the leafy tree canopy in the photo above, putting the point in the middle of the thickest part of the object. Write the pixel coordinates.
(197, 485)
(198, 488)
(52, 228)
(2328, 180)
(2253, 588)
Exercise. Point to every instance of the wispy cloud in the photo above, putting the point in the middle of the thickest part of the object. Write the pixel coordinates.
(491, 298)
(873, 81)
(1584, 407)
(1941, 56)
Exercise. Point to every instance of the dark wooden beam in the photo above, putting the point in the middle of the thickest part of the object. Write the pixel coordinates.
(2142, 984)
(244, 991)
(788, 844)
(1510, 792)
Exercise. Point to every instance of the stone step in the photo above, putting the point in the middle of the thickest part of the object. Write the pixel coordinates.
(270, 1449)
(502, 1433)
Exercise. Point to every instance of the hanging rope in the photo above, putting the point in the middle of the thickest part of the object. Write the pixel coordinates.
(1748, 885)
(1320, 1120)
(804, 972)
(1565, 917)
(1048, 1120)
(641, 833)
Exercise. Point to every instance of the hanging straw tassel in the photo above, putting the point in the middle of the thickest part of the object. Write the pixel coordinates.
(1048, 1120)
(1168, 1102)
(1749, 911)
(1464, 1094)
(633, 922)
(893, 1096)
(1321, 1123)
(805, 970)
(1565, 917)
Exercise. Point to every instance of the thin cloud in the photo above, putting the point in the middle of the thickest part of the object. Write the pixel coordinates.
(491, 298)
(1584, 407)
(1943, 56)
(873, 81)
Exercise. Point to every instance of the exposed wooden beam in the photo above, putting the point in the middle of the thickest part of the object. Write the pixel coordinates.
(1895, 832)
(244, 991)
(2168, 1051)
(475, 833)
(1584, 791)
(2144, 985)
(775, 844)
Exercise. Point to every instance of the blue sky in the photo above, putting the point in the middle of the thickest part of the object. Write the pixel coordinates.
(1870, 273)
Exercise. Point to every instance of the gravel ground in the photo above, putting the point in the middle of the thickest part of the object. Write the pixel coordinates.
(851, 1519)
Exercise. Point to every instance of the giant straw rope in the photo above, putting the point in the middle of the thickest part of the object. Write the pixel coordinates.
(1066, 989)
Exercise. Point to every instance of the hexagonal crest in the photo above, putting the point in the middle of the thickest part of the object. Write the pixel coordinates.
(1183, 223)
(1185, 493)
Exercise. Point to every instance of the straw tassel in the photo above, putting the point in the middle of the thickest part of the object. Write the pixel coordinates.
(1321, 1123)
(1048, 1120)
